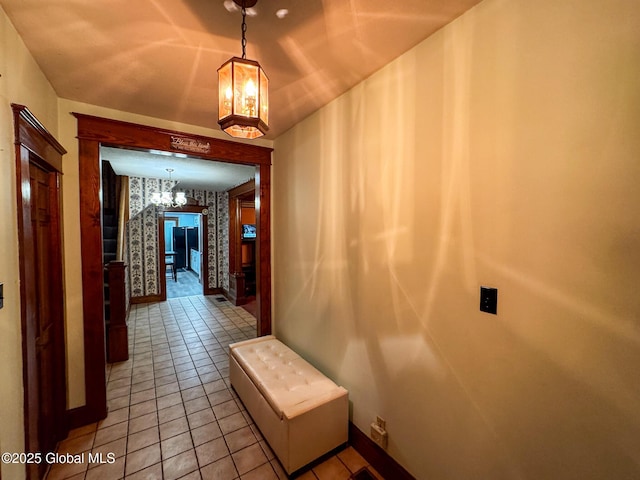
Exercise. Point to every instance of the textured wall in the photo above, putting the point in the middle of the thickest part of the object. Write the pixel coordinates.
(501, 151)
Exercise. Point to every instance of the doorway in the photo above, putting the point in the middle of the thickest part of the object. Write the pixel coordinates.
(243, 261)
(38, 168)
(183, 235)
(94, 132)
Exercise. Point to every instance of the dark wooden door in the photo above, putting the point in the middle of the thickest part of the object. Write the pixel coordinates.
(46, 317)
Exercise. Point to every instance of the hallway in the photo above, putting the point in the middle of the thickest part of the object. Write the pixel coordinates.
(172, 414)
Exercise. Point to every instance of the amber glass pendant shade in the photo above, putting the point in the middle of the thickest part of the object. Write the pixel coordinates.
(243, 99)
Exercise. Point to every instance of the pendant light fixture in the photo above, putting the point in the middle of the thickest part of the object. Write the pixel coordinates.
(243, 97)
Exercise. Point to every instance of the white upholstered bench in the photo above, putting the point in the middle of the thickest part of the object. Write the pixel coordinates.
(300, 412)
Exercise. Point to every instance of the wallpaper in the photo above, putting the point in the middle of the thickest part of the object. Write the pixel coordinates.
(126, 258)
(222, 246)
(142, 241)
(142, 236)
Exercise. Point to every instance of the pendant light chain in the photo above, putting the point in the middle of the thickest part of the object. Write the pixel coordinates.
(244, 31)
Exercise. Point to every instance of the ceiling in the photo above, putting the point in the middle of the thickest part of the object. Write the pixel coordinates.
(190, 172)
(160, 57)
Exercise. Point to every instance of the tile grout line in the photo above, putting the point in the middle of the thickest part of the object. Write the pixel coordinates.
(195, 332)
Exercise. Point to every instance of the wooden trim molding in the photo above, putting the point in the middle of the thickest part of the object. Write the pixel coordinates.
(94, 132)
(263, 249)
(34, 145)
(148, 299)
(376, 456)
(79, 417)
(125, 134)
(92, 280)
(243, 190)
(33, 135)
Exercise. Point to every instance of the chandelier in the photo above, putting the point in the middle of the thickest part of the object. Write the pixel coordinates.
(243, 97)
(164, 199)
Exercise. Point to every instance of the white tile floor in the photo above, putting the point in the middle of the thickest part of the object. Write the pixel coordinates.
(172, 413)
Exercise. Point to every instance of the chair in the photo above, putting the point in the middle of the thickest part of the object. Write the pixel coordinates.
(169, 263)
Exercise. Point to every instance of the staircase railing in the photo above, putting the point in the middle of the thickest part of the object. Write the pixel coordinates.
(116, 301)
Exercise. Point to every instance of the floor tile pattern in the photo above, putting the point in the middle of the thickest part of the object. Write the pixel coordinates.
(172, 412)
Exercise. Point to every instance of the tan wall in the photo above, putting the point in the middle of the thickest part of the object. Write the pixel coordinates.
(502, 151)
(22, 82)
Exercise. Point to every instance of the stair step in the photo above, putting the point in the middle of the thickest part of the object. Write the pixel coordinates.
(109, 231)
(109, 245)
(109, 217)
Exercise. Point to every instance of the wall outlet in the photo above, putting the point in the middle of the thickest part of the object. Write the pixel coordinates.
(378, 432)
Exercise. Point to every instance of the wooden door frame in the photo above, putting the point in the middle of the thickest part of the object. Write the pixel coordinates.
(96, 131)
(236, 196)
(33, 139)
(162, 261)
(203, 232)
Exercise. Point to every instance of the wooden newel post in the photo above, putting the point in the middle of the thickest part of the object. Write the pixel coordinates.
(117, 334)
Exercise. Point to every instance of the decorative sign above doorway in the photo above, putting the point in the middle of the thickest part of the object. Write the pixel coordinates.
(190, 144)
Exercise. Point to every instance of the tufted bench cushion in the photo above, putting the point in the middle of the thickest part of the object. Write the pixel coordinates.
(285, 379)
(301, 413)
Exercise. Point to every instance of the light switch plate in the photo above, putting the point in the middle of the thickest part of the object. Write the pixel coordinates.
(489, 300)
